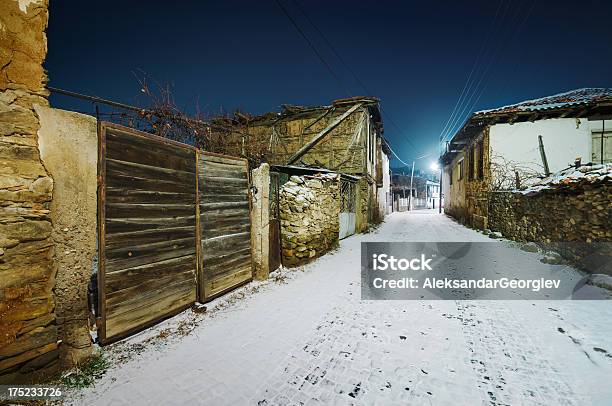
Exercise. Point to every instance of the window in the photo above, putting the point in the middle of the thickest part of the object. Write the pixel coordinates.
(450, 176)
(481, 160)
(460, 169)
(602, 143)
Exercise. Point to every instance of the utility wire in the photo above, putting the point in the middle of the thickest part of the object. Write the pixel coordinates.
(469, 81)
(458, 120)
(314, 49)
(352, 72)
(493, 61)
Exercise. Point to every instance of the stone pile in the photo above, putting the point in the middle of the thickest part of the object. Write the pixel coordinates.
(309, 211)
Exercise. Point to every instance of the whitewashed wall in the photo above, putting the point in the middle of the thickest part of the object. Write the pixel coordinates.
(384, 203)
(564, 139)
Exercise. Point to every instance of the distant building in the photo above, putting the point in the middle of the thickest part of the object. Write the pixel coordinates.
(424, 193)
(503, 148)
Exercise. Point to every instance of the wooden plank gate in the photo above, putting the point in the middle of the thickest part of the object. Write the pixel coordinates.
(172, 222)
(225, 226)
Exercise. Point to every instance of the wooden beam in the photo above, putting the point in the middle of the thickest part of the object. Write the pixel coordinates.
(317, 138)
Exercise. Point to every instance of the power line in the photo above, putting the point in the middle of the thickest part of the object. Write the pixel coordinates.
(314, 49)
(470, 95)
(331, 47)
(493, 61)
(469, 79)
(352, 72)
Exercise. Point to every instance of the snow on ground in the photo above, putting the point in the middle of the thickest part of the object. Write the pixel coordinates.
(307, 338)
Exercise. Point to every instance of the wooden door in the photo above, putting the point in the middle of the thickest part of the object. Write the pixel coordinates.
(146, 230)
(225, 224)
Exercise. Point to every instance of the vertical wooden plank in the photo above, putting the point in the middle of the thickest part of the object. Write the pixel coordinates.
(198, 239)
(101, 231)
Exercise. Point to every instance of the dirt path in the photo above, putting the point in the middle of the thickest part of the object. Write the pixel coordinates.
(312, 340)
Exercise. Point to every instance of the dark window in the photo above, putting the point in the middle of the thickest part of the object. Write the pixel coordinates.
(450, 175)
(460, 169)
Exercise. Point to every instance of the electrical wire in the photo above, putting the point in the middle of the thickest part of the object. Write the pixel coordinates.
(312, 46)
(466, 112)
(467, 102)
(352, 72)
(469, 81)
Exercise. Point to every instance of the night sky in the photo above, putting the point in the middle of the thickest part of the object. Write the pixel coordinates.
(415, 56)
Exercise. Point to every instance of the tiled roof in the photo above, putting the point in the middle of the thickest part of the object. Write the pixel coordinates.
(561, 100)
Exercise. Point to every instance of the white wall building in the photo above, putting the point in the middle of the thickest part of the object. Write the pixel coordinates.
(504, 148)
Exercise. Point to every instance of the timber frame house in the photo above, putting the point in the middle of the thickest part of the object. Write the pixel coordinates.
(344, 137)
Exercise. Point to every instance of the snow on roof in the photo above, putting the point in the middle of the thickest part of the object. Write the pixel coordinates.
(561, 100)
(572, 177)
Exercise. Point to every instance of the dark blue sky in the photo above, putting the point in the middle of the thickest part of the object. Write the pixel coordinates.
(415, 56)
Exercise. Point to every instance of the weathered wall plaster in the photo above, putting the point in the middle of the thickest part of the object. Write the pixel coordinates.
(68, 146)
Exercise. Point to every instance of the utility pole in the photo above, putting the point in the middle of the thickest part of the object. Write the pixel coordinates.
(440, 190)
(410, 197)
(543, 156)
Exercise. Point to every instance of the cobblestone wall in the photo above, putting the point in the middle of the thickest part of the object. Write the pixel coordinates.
(309, 210)
(576, 222)
(28, 332)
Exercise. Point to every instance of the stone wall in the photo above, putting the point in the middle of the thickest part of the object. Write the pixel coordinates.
(68, 144)
(28, 332)
(576, 222)
(309, 210)
(467, 199)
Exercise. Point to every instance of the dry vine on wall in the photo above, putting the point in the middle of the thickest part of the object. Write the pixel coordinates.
(219, 133)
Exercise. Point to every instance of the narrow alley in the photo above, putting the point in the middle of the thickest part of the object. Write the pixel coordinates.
(305, 337)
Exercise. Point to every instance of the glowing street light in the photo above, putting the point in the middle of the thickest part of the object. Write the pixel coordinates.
(434, 166)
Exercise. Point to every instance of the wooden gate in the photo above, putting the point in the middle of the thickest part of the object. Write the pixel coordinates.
(225, 225)
(274, 236)
(146, 230)
(347, 216)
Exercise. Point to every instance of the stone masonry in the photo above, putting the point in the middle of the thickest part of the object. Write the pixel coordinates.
(577, 222)
(309, 210)
(28, 332)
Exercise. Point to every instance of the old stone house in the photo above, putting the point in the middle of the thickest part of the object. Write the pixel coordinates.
(514, 146)
(345, 137)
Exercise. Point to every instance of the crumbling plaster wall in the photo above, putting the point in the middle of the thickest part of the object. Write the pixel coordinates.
(309, 210)
(28, 332)
(260, 221)
(68, 146)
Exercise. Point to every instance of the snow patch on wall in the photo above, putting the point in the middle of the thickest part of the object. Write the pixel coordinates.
(24, 4)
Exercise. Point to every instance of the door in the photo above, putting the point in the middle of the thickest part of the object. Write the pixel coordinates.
(146, 230)
(348, 216)
(224, 225)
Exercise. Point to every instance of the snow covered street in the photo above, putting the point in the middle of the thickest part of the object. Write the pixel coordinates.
(305, 337)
